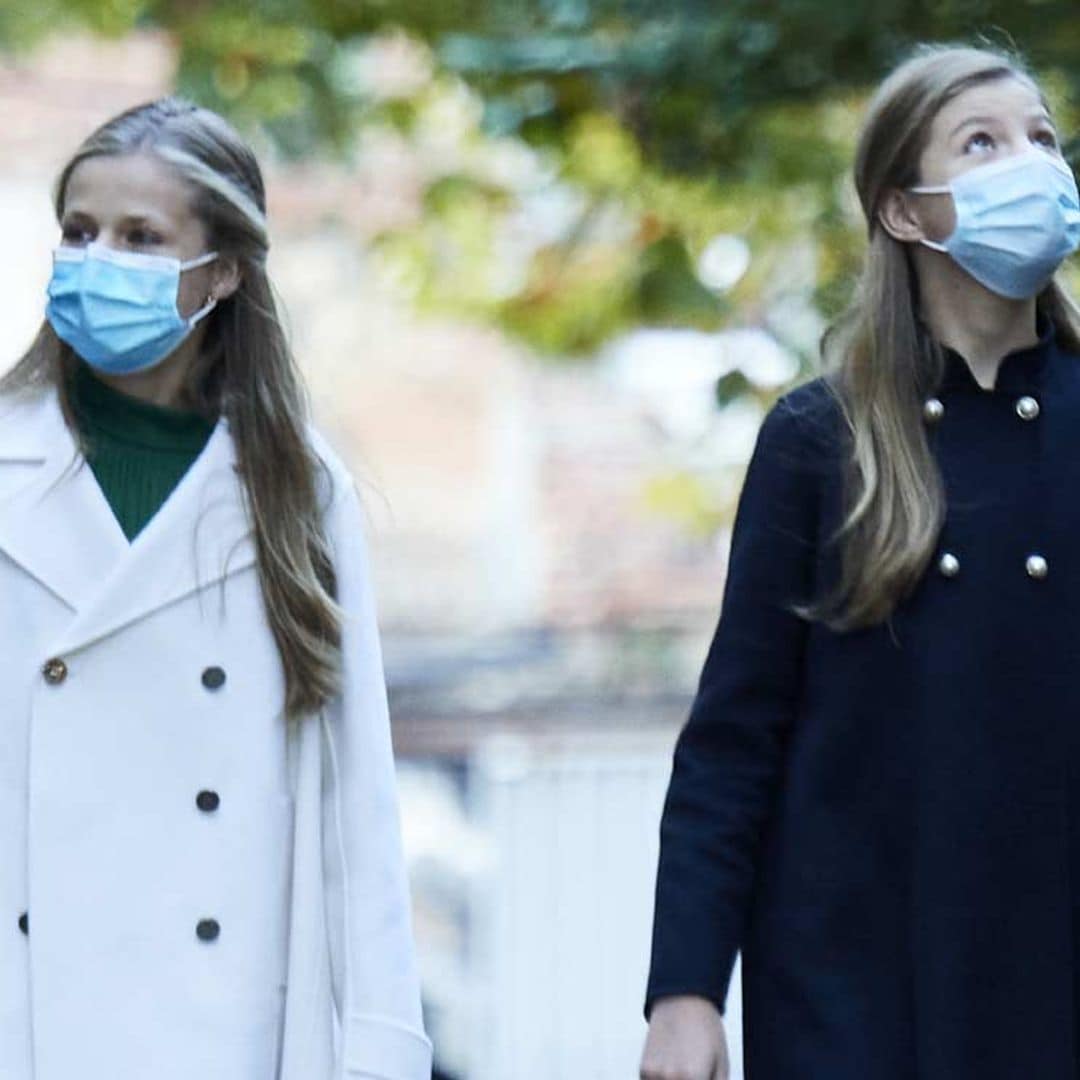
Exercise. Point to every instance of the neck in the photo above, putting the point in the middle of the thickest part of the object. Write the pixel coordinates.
(980, 325)
(163, 384)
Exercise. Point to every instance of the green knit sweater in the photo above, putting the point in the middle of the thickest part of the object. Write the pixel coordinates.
(138, 451)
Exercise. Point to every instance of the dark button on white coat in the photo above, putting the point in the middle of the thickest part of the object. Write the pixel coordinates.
(207, 800)
(207, 929)
(213, 678)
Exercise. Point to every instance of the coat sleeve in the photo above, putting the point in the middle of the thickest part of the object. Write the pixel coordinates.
(376, 982)
(728, 756)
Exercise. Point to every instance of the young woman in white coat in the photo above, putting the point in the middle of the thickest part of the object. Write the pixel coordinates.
(199, 829)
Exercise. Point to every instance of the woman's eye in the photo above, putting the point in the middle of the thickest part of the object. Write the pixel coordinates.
(979, 139)
(142, 238)
(1046, 137)
(71, 234)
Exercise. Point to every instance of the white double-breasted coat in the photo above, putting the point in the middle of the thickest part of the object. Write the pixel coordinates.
(189, 887)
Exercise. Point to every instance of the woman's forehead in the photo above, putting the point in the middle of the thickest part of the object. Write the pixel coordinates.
(1002, 99)
(130, 184)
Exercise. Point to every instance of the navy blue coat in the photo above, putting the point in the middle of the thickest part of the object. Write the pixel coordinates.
(885, 821)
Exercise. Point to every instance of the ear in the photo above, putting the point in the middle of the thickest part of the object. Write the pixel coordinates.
(897, 216)
(226, 278)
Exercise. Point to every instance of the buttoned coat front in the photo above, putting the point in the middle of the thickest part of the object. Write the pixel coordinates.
(885, 821)
(190, 886)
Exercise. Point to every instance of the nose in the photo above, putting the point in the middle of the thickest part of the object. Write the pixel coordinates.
(109, 238)
(1019, 141)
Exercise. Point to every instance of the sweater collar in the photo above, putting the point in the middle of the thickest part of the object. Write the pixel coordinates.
(128, 419)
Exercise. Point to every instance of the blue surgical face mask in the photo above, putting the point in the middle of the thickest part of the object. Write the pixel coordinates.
(1016, 220)
(117, 309)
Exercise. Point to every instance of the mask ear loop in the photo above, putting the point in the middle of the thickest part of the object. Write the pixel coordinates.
(211, 301)
(940, 189)
(199, 260)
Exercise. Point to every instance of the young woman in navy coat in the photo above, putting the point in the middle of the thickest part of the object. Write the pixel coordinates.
(875, 795)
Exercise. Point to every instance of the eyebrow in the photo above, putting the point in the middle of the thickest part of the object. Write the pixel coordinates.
(1040, 115)
(127, 219)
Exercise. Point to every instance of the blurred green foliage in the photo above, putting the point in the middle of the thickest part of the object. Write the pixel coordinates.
(688, 79)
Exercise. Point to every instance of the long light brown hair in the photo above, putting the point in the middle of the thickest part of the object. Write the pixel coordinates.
(880, 359)
(245, 371)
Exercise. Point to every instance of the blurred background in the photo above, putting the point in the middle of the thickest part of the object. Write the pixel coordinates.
(545, 264)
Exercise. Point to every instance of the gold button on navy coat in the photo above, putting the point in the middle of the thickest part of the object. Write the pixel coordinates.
(885, 821)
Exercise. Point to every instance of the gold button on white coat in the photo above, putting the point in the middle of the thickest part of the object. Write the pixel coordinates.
(949, 564)
(1027, 408)
(55, 670)
(933, 410)
(1037, 567)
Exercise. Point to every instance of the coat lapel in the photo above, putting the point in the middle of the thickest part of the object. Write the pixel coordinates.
(59, 527)
(54, 520)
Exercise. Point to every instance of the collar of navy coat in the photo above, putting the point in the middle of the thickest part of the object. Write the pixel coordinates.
(1020, 371)
(56, 523)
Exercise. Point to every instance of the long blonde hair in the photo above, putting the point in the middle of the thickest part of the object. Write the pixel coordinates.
(245, 371)
(880, 359)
